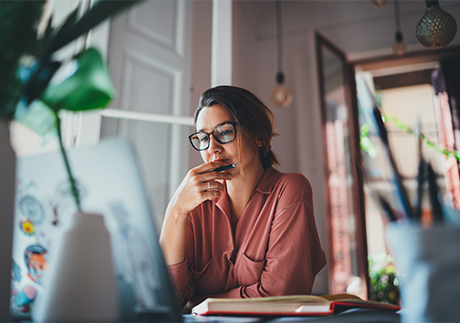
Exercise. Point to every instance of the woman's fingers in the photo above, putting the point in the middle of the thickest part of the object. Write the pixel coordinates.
(201, 176)
(212, 186)
(208, 167)
(198, 186)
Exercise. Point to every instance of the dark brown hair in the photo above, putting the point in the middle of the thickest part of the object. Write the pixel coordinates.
(250, 114)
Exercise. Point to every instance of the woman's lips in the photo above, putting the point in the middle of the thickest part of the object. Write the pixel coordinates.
(220, 160)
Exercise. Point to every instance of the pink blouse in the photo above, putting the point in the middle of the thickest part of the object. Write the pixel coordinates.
(275, 249)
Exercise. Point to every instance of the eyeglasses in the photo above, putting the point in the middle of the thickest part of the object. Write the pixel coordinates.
(223, 133)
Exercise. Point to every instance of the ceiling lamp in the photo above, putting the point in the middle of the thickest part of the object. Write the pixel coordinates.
(280, 95)
(399, 47)
(437, 28)
(380, 3)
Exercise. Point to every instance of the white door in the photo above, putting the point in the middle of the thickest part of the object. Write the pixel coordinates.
(149, 58)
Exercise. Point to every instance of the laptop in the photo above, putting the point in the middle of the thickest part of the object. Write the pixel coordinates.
(110, 184)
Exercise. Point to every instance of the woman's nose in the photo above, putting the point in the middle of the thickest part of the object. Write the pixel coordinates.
(213, 145)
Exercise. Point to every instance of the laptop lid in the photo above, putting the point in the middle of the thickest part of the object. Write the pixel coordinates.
(110, 184)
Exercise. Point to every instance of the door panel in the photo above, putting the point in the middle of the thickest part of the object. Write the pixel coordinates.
(150, 61)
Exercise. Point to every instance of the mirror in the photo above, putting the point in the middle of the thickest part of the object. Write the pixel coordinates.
(343, 189)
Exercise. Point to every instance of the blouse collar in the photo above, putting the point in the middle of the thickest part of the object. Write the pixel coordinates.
(265, 186)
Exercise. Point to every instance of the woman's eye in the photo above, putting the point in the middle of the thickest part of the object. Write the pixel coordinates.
(203, 138)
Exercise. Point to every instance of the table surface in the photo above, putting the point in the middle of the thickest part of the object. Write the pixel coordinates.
(351, 316)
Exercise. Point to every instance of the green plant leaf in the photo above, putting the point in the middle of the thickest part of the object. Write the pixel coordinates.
(68, 24)
(99, 12)
(89, 88)
(39, 81)
(38, 117)
(49, 28)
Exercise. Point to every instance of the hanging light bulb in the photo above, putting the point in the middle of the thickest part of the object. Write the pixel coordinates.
(436, 28)
(380, 3)
(399, 47)
(280, 94)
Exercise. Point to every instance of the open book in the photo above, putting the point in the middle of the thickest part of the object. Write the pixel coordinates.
(287, 305)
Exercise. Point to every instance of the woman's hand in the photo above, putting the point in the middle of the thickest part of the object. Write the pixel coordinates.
(198, 186)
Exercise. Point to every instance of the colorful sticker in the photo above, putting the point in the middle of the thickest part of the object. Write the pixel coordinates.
(36, 259)
(21, 300)
(32, 208)
(27, 227)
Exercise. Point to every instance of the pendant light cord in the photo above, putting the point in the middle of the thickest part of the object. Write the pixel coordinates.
(398, 22)
(431, 3)
(279, 35)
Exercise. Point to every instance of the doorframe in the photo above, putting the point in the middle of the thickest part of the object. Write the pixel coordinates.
(412, 58)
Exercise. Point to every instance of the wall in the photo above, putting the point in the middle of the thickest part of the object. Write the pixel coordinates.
(245, 51)
(201, 61)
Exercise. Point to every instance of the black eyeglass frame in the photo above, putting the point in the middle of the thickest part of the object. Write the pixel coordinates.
(233, 123)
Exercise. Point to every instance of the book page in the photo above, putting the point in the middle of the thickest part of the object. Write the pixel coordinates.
(343, 296)
(288, 298)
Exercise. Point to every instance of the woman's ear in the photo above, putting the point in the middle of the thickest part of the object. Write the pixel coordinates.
(259, 143)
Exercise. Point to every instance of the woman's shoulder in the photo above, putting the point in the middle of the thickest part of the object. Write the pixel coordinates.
(294, 178)
(294, 185)
(291, 178)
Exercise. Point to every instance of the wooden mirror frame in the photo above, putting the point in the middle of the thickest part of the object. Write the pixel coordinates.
(357, 190)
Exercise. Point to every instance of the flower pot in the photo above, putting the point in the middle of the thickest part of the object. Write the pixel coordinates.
(81, 285)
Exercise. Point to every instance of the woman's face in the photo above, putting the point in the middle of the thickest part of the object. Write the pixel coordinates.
(208, 119)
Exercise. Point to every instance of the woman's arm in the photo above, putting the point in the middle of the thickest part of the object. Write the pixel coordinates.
(193, 190)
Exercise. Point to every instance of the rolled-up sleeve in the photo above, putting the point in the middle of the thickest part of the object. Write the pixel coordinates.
(181, 273)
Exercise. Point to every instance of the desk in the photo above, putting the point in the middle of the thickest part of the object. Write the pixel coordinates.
(350, 316)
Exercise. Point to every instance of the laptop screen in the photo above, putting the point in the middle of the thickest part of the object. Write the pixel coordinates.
(110, 184)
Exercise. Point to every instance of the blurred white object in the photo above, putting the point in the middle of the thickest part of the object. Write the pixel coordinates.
(81, 285)
(429, 270)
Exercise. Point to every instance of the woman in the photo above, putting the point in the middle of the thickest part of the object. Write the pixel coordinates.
(248, 231)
